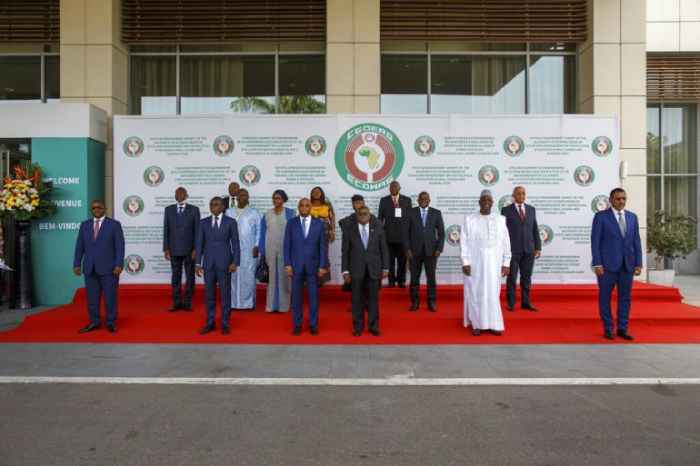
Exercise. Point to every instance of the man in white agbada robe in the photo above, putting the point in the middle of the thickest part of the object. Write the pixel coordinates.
(243, 281)
(485, 245)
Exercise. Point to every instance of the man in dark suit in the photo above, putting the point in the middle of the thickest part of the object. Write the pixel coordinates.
(218, 254)
(617, 257)
(424, 242)
(100, 250)
(365, 260)
(393, 214)
(305, 259)
(231, 199)
(180, 225)
(525, 247)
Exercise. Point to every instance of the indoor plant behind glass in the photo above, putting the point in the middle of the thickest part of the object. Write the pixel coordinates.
(24, 197)
(670, 237)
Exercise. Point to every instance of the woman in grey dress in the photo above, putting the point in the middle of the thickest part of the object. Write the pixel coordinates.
(271, 237)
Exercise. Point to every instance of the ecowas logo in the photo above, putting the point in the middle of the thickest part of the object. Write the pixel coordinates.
(133, 206)
(249, 175)
(424, 146)
(584, 175)
(315, 146)
(223, 145)
(488, 175)
(134, 264)
(600, 203)
(133, 146)
(546, 234)
(513, 146)
(369, 157)
(452, 234)
(602, 146)
(153, 176)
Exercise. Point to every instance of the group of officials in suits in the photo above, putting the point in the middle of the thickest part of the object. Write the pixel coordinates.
(373, 249)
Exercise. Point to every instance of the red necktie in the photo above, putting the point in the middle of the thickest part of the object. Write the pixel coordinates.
(521, 213)
(95, 229)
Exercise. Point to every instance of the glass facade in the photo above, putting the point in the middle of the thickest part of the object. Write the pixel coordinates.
(190, 81)
(474, 79)
(672, 159)
(29, 78)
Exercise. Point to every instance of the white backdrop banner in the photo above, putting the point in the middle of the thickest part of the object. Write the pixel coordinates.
(568, 164)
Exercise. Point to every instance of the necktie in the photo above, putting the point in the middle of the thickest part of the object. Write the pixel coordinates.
(395, 201)
(216, 222)
(623, 224)
(365, 236)
(423, 216)
(521, 213)
(95, 229)
(306, 227)
(180, 208)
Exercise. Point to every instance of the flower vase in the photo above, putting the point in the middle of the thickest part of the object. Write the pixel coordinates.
(23, 266)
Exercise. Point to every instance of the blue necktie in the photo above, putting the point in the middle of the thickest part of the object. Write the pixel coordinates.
(423, 216)
(364, 236)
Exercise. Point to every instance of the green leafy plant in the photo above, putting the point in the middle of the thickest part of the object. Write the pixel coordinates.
(287, 104)
(670, 236)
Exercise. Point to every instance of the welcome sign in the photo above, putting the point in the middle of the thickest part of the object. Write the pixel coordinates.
(567, 163)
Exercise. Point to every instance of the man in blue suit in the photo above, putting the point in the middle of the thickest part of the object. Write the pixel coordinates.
(180, 225)
(305, 259)
(617, 258)
(100, 250)
(218, 254)
(525, 247)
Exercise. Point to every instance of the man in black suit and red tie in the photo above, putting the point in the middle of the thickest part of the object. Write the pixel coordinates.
(393, 215)
(525, 246)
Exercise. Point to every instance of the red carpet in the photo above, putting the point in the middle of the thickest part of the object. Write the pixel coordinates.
(567, 314)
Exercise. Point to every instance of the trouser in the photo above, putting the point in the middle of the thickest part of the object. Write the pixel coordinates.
(96, 287)
(177, 264)
(365, 294)
(397, 263)
(417, 265)
(524, 264)
(311, 279)
(606, 283)
(212, 278)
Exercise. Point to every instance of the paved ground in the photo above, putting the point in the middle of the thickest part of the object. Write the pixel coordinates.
(173, 424)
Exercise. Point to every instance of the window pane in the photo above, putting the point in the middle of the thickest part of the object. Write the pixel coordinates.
(20, 78)
(302, 84)
(552, 84)
(653, 195)
(404, 84)
(463, 84)
(653, 141)
(681, 195)
(52, 75)
(679, 127)
(153, 85)
(224, 84)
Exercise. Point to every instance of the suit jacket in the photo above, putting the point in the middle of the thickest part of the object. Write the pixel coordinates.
(180, 231)
(609, 248)
(345, 221)
(310, 252)
(356, 259)
(218, 248)
(524, 235)
(426, 240)
(394, 228)
(101, 255)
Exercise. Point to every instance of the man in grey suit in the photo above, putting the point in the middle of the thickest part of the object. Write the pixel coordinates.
(365, 262)
(424, 242)
(180, 225)
(525, 246)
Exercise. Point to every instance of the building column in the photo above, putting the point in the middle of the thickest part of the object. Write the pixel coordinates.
(352, 56)
(612, 81)
(94, 64)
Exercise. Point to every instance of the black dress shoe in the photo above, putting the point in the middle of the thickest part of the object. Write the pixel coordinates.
(111, 328)
(476, 332)
(414, 306)
(432, 307)
(207, 328)
(356, 333)
(374, 331)
(89, 328)
(225, 329)
(529, 307)
(296, 331)
(624, 335)
(609, 335)
(314, 330)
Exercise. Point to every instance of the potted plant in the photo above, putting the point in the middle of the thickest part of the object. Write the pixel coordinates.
(23, 198)
(669, 237)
